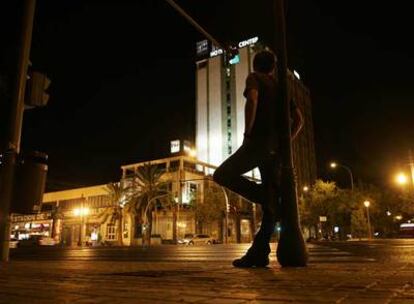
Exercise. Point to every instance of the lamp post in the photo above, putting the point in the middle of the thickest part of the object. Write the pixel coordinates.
(367, 204)
(333, 165)
(81, 212)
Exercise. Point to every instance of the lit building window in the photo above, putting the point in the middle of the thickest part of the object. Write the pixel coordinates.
(110, 232)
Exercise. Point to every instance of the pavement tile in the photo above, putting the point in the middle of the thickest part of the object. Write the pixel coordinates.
(198, 282)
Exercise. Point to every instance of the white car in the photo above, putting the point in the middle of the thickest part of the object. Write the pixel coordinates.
(13, 243)
(197, 239)
(38, 240)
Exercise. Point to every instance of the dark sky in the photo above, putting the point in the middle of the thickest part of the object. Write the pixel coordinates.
(124, 85)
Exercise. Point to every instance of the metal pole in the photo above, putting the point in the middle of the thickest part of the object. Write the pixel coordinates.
(350, 174)
(227, 215)
(195, 24)
(369, 225)
(12, 148)
(410, 158)
(291, 249)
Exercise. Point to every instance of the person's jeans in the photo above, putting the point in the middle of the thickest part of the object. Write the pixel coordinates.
(250, 155)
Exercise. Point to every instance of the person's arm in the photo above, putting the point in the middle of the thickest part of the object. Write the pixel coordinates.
(297, 123)
(252, 97)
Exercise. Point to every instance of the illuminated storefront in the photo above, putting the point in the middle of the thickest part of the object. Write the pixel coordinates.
(23, 226)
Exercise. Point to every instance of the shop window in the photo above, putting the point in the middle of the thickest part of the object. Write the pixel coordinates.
(110, 232)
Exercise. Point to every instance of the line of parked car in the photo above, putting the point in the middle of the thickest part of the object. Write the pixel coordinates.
(33, 240)
(40, 240)
(197, 239)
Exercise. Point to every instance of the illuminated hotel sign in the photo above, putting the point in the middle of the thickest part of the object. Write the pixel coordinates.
(202, 47)
(215, 51)
(175, 146)
(247, 42)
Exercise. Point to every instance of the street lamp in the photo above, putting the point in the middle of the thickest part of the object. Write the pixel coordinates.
(305, 188)
(367, 204)
(333, 165)
(401, 179)
(81, 212)
(192, 153)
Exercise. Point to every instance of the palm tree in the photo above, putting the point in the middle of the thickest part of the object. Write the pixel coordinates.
(121, 198)
(152, 190)
(57, 214)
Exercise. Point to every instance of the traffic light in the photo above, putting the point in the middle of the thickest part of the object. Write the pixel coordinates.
(37, 84)
(29, 183)
(232, 53)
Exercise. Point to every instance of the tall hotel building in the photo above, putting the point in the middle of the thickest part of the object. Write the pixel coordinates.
(220, 108)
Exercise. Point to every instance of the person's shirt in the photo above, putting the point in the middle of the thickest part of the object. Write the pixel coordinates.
(266, 85)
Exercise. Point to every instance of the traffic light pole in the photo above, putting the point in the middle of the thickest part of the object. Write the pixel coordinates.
(291, 249)
(12, 148)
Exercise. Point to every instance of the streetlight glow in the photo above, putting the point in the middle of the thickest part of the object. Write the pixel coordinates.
(306, 188)
(81, 211)
(367, 203)
(333, 165)
(401, 178)
(192, 153)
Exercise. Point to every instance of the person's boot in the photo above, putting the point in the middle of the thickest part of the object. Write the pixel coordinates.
(254, 257)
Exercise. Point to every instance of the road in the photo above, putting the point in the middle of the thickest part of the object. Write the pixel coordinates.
(338, 272)
(361, 251)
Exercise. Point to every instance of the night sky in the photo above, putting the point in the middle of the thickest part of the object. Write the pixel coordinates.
(123, 77)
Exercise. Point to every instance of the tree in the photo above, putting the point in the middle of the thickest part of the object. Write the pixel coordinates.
(359, 226)
(151, 191)
(121, 197)
(213, 206)
(320, 201)
(57, 214)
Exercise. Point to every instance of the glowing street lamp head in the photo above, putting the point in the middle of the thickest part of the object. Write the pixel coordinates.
(367, 203)
(401, 178)
(306, 188)
(192, 153)
(333, 165)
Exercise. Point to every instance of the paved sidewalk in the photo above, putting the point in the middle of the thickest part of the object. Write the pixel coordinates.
(204, 282)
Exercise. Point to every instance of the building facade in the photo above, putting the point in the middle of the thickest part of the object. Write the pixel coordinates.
(89, 216)
(220, 108)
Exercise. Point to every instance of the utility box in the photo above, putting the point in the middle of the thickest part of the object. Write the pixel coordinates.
(30, 182)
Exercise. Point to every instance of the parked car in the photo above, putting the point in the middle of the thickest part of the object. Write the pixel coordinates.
(37, 240)
(196, 239)
(14, 243)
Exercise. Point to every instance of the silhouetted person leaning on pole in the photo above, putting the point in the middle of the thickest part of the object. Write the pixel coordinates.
(260, 92)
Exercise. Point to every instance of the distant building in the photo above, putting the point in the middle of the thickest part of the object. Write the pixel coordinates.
(220, 108)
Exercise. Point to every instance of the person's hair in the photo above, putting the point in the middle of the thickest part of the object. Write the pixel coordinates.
(264, 61)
